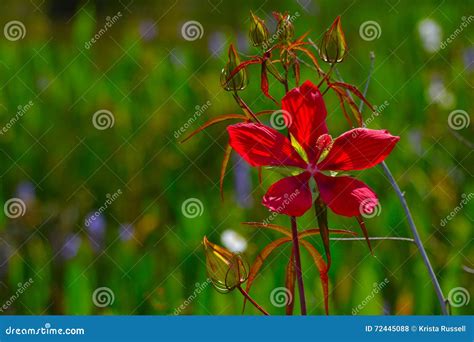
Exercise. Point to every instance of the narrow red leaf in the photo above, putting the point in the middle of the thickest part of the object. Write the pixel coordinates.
(323, 271)
(213, 122)
(225, 162)
(290, 280)
(364, 230)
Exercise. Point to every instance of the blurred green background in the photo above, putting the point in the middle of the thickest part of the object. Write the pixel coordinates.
(153, 81)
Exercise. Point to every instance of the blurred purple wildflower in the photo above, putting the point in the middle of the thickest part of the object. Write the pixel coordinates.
(469, 58)
(148, 30)
(126, 231)
(71, 246)
(26, 191)
(216, 43)
(242, 182)
(95, 225)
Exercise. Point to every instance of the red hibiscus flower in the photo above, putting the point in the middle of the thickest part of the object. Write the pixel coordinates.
(357, 149)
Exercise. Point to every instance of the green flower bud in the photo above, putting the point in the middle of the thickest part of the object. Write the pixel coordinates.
(285, 29)
(239, 81)
(226, 270)
(333, 46)
(258, 32)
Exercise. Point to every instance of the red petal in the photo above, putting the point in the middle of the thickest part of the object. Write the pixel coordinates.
(308, 113)
(345, 196)
(260, 145)
(289, 196)
(359, 149)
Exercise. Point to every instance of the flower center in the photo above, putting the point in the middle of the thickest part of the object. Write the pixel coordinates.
(312, 168)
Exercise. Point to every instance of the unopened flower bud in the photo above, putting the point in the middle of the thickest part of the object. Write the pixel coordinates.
(226, 270)
(285, 28)
(239, 80)
(258, 32)
(333, 47)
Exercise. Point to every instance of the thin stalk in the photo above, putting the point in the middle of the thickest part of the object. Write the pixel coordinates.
(245, 107)
(416, 236)
(411, 223)
(375, 238)
(251, 300)
(299, 275)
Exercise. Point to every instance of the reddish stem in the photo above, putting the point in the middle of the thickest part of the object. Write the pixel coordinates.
(251, 300)
(299, 274)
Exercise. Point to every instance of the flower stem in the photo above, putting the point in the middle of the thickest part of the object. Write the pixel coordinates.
(299, 274)
(251, 300)
(417, 238)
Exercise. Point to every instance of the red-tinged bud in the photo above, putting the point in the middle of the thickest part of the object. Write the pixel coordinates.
(333, 46)
(285, 28)
(258, 32)
(239, 81)
(226, 270)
